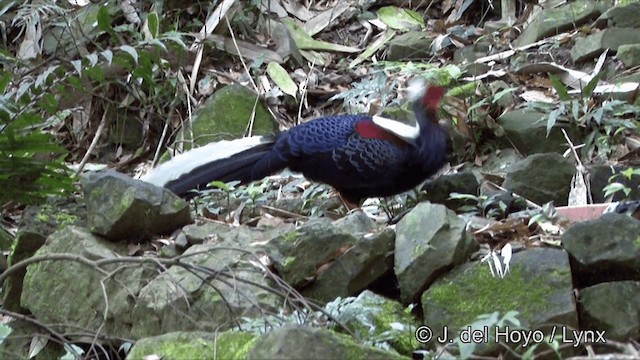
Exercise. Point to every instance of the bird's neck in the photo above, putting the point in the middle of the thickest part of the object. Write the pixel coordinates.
(432, 141)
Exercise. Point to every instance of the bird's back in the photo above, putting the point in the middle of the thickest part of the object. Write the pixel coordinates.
(348, 152)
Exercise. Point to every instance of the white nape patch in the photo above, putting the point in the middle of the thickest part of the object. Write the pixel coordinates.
(186, 162)
(416, 88)
(403, 131)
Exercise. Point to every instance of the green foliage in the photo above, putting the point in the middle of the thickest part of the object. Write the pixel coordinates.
(31, 164)
(366, 91)
(617, 182)
(310, 196)
(256, 193)
(373, 323)
(367, 321)
(482, 324)
(488, 323)
(259, 326)
(547, 214)
(605, 123)
(482, 107)
(382, 88)
(34, 108)
(482, 205)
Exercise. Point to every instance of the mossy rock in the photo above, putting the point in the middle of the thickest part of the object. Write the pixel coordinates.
(538, 286)
(194, 345)
(227, 114)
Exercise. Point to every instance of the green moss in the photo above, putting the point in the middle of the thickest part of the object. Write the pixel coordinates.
(288, 261)
(215, 297)
(390, 313)
(61, 218)
(236, 343)
(353, 350)
(64, 219)
(226, 345)
(370, 318)
(490, 294)
(243, 349)
(227, 115)
(42, 217)
(466, 90)
(290, 236)
(356, 351)
(636, 242)
(418, 250)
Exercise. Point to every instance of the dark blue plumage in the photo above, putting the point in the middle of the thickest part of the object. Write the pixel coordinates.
(349, 152)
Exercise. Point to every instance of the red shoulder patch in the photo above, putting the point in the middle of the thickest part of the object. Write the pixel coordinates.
(368, 130)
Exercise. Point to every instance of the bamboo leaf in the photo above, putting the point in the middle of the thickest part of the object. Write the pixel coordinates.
(281, 78)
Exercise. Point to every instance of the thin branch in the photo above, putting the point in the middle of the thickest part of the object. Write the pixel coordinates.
(94, 142)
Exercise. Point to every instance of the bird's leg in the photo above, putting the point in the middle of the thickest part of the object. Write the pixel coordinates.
(348, 204)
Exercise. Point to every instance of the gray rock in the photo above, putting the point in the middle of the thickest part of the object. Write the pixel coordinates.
(78, 290)
(62, 41)
(181, 241)
(499, 203)
(6, 239)
(470, 53)
(538, 286)
(3, 263)
(629, 54)
(368, 259)
(620, 16)
(412, 45)
(126, 131)
(355, 222)
(430, 240)
(438, 190)
(46, 219)
(217, 233)
(594, 44)
(527, 131)
(599, 178)
(541, 178)
(217, 288)
(193, 345)
(119, 207)
(372, 316)
(553, 21)
(298, 255)
(226, 115)
(27, 242)
(303, 342)
(612, 308)
(508, 99)
(498, 163)
(475, 69)
(604, 249)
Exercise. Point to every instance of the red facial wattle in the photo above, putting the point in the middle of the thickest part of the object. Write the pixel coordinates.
(431, 100)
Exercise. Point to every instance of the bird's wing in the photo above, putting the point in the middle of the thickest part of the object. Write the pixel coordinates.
(354, 144)
(368, 157)
(318, 136)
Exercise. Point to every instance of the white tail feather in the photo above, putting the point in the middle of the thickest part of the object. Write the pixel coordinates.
(186, 162)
